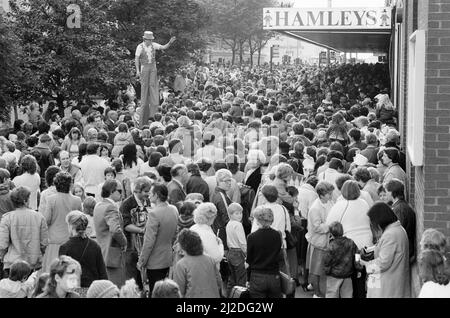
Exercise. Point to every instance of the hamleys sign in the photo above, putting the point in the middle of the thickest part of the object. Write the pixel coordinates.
(327, 18)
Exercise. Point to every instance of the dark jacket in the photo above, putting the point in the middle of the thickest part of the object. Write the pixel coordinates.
(254, 180)
(176, 194)
(221, 220)
(44, 159)
(339, 260)
(129, 210)
(264, 251)
(196, 184)
(88, 253)
(407, 218)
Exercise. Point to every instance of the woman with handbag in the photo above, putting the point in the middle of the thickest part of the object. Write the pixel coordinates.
(317, 236)
(264, 253)
(388, 271)
(84, 250)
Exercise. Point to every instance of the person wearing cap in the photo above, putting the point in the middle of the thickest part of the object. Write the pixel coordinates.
(103, 289)
(44, 156)
(84, 250)
(146, 70)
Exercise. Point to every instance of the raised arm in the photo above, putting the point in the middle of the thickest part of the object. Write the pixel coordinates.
(165, 47)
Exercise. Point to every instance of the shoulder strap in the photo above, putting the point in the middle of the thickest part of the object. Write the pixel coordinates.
(224, 200)
(285, 217)
(345, 211)
(85, 248)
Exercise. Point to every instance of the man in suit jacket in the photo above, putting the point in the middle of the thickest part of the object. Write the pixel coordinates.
(175, 187)
(134, 211)
(109, 230)
(160, 234)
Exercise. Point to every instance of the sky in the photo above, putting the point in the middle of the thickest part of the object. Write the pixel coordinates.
(338, 3)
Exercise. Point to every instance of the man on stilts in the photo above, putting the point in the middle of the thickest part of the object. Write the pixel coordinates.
(146, 70)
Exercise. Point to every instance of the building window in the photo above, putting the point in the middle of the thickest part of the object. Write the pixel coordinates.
(416, 97)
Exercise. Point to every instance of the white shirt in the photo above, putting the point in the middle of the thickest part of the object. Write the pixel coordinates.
(236, 235)
(209, 241)
(93, 172)
(32, 182)
(364, 195)
(306, 197)
(211, 152)
(434, 290)
(148, 49)
(353, 217)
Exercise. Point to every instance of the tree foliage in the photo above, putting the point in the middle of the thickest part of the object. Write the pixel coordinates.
(62, 61)
(185, 19)
(239, 23)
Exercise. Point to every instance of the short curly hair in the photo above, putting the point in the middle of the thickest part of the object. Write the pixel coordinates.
(63, 182)
(20, 196)
(205, 213)
(190, 242)
(264, 216)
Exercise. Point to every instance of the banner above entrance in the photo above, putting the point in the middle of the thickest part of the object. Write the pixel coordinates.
(337, 19)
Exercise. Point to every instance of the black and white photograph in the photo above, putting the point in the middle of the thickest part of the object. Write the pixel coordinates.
(232, 154)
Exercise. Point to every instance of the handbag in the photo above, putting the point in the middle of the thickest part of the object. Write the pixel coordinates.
(239, 292)
(287, 284)
(291, 240)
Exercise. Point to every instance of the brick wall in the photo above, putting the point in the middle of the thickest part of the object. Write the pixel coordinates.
(437, 118)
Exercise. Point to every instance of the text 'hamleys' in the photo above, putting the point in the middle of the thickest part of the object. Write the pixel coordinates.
(326, 19)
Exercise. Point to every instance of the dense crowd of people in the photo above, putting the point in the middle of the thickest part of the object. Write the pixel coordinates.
(244, 177)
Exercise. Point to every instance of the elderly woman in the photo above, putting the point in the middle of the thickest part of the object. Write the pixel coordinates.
(318, 235)
(252, 170)
(84, 250)
(434, 240)
(204, 216)
(263, 257)
(389, 275)
(23, 232)
(29, 178)
(64, 278)
(351, 212)
(221, 200)
(196, 273)
(58, 206)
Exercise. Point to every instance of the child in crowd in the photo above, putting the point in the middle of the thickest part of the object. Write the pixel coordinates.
(110, 174)
(78, 191)
(20, 283)
(237, 244)
(88, 208)
(340, 263)
(130, 289)
(40, 284)
(166, 288)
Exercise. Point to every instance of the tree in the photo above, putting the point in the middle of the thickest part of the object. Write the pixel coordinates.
(67, 56)
(240, 22)
(9, 67)
(185, 19)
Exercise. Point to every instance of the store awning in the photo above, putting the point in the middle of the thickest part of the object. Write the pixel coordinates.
(364, 30)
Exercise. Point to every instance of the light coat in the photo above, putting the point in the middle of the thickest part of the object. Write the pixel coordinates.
(389, 272)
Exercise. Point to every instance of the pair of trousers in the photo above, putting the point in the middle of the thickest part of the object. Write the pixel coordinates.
(131, 271)
(154, 275)
(339, 287)
(359, 284)
(265, 285)
(238, 274)
(149, 93)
